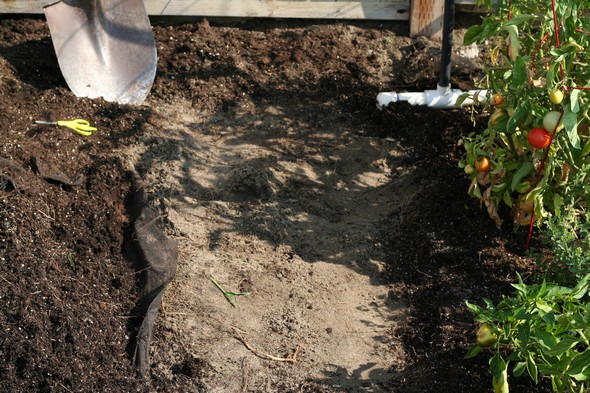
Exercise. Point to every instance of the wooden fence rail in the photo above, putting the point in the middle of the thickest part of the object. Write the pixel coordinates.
(424, 16)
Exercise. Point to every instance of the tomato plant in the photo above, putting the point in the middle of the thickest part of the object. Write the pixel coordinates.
(537, 142)
(539, 138)
(537, 74)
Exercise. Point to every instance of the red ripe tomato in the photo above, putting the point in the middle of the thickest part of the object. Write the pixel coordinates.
(497, 99)
(539, 138)
(482, 165)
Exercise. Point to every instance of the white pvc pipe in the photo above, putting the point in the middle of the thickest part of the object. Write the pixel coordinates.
(441, 98)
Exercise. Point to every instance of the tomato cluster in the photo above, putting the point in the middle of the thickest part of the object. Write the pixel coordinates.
(503, 162)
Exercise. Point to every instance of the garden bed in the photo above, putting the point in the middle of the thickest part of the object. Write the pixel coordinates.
(263, 150)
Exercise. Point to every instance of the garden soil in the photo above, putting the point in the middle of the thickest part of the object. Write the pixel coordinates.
(324, 245)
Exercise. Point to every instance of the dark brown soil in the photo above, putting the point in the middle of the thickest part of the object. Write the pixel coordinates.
(68, 287)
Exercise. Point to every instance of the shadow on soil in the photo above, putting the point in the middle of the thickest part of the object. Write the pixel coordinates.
(443, 249)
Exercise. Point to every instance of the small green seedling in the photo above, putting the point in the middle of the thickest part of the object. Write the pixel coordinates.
(230, 296)
(71, 261)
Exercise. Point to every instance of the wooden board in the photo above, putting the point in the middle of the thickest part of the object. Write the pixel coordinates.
(20, 7)
(320, 9)
(426, 18)
(367, 9)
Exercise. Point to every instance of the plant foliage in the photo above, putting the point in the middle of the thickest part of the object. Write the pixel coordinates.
(535, 48)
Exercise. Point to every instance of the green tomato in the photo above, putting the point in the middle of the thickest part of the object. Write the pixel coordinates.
(550, 121)
(556, 96)
(485, 336)
(468, 169)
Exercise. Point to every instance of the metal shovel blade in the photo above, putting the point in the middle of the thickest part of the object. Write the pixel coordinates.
(105, 48)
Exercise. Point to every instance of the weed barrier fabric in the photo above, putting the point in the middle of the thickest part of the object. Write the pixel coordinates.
(159, 255)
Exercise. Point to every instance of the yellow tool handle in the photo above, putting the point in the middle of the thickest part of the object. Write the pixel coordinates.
(81, 126)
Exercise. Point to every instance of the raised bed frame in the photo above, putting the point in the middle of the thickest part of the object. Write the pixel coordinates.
(424, 16)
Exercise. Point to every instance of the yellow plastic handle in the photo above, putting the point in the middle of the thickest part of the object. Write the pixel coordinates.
(81, 126)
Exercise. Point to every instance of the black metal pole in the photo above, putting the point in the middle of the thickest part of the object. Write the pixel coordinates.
(447, 43)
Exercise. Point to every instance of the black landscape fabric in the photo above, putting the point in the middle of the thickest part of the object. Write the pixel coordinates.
(159, 256)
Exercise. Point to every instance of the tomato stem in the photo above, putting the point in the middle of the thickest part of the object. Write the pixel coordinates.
(533, 65)
(555, 23)
(556, 27)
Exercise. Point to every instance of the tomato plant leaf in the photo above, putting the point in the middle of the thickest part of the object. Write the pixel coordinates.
(574, 101)
(519, 73)
(556, 383)
(461, 99)
(515, 119)
(585, 149)
(559, 55)
(513, 42)
(498, 188)
(474, 188)
(491, 207)
(507, 199)
(569, 121)
(522, 172)
(474, 34)
(519, 19)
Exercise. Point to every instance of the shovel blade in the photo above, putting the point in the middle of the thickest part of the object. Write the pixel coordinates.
(105, 48)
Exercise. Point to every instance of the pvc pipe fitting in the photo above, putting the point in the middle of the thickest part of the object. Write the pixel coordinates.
(441, 98)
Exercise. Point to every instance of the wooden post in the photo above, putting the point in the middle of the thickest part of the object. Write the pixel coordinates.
(426, 18)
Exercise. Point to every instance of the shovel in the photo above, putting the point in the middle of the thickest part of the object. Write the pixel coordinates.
(105, 48)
